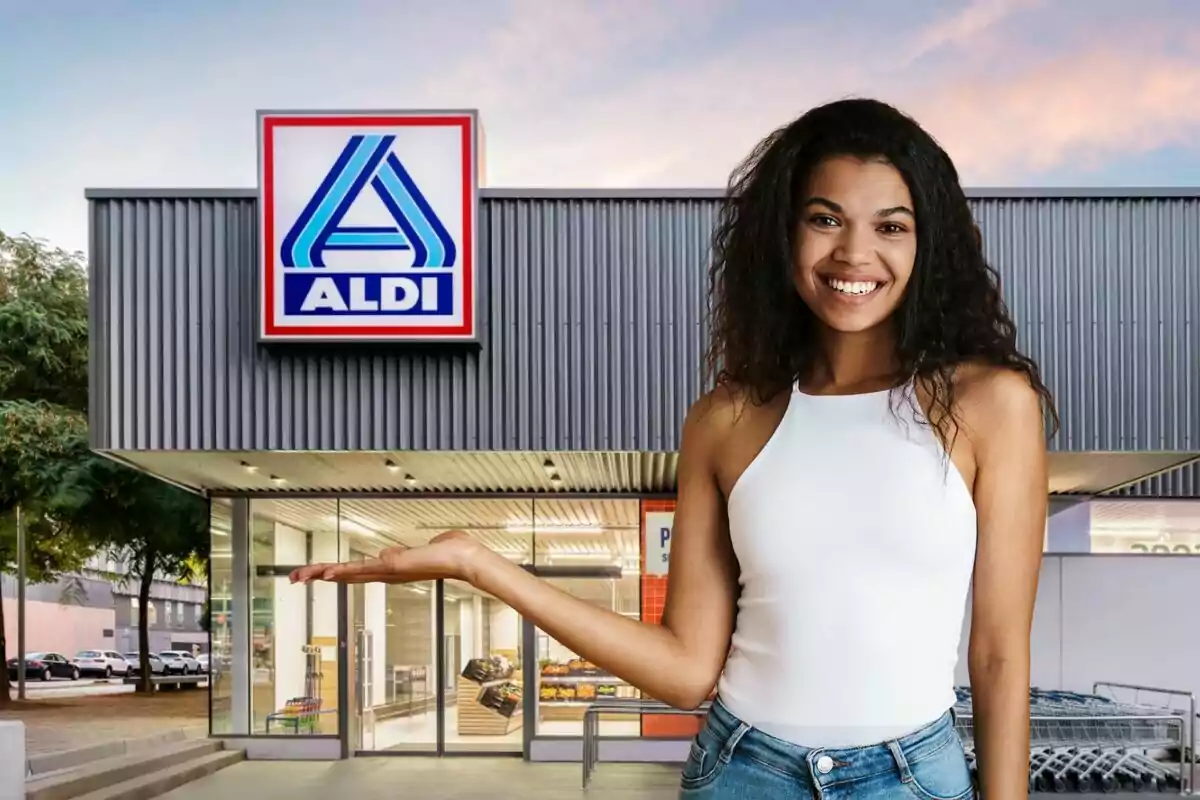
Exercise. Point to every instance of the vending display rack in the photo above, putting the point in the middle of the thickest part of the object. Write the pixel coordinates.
(489, 698)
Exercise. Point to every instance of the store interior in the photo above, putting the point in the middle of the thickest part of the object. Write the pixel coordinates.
(294, 628)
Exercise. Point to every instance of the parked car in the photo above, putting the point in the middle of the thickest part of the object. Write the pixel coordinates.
(104, 663)
(44, 666)
(204, 662)
(135, 664)
(179, 662)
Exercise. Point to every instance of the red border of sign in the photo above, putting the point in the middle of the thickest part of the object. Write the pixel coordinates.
(466, 329)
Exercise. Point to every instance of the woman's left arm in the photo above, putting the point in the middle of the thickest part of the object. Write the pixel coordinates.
(1011, 487)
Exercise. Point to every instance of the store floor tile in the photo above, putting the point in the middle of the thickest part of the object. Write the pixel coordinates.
(439, 779)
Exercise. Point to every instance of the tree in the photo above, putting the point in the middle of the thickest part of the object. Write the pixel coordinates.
(43, 400)
(43, 325)
(157, 528)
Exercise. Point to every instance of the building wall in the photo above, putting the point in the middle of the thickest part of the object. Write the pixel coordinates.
(590, 319)
(78, 612)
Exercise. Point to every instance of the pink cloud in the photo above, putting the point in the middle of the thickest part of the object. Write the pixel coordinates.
(1107, 102)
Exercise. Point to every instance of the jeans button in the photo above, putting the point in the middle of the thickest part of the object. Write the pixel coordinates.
(824, 765)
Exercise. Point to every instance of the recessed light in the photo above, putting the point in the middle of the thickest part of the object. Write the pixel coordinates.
(410, 480)
(548, 467)
(554, 479)
(392, 465)
(249, 467)
(278, 481)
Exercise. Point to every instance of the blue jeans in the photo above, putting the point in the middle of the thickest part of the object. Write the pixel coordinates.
(731, 761)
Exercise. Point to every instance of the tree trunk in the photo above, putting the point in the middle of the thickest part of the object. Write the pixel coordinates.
(5, 689)
(145, 677)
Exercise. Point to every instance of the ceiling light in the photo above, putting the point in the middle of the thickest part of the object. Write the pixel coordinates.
(410, 480)
(249, 467)
(278, 481)
(347, 524)
(593, 529)
(554, 479)
(392, 465)
(548, 467)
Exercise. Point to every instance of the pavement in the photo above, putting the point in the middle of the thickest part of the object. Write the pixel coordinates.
(378, 778)
(57, 719)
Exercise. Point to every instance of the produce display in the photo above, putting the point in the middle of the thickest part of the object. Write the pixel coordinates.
(574, 667)
(504, 699)
(579, 681)
(485, 670)
(489, 697)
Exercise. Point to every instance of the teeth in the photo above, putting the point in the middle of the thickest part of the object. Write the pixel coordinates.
(853, 287)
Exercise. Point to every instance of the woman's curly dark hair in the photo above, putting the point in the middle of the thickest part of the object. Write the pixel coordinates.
(764, 337)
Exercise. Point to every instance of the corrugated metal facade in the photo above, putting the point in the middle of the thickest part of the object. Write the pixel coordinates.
(591, 317)
(1182, 482)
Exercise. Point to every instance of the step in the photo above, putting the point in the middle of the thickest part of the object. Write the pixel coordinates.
(109, 771)
(159, 783)
(43, 765)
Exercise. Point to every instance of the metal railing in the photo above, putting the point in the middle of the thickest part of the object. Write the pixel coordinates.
(1067, 742)
(1189, 755)
(638, 708)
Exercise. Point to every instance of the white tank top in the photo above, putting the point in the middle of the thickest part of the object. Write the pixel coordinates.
(856, 540)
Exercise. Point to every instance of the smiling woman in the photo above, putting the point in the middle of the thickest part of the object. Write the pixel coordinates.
(848, 282)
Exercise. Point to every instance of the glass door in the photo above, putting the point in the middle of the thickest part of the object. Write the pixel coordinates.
(393, 668)
(483, 658)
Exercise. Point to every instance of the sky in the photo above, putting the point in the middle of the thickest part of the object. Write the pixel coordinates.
(588, 93)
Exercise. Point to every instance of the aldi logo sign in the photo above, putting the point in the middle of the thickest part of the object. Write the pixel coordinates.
(367, 228)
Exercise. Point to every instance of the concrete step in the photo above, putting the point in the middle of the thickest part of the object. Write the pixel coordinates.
(162, 781)
(104, 772)
(44, 765)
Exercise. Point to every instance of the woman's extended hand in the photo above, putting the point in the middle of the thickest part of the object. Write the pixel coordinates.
(450, 555)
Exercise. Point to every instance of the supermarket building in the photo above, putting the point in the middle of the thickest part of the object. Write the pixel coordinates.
(520, 367)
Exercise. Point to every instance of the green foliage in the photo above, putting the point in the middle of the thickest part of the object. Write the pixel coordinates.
(38, 443)
(136, 515)
(157, 528)
(43, 324)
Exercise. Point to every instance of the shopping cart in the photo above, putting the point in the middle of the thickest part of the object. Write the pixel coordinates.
(1089, 743)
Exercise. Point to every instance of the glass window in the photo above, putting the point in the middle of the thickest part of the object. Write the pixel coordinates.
(293, 627)
(220, 588)
(603, 536)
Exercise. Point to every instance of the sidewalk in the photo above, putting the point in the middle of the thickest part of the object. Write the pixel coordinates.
(383, 778)
(63, 723)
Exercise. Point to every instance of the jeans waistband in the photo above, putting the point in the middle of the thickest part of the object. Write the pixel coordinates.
(851, 762)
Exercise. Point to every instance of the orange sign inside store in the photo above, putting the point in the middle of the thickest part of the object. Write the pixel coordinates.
(655, 546)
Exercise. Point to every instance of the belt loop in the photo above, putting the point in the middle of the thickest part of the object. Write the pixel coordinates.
(733, 741)
(901, 761)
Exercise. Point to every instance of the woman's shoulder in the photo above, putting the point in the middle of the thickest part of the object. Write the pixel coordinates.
(730, 405)
(991, 398)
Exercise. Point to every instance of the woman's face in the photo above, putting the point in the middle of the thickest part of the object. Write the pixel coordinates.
(856, 243)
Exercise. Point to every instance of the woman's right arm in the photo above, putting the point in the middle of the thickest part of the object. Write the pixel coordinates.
(679, 661)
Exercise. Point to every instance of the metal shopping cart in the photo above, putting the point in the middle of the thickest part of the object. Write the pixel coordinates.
(1089, 743)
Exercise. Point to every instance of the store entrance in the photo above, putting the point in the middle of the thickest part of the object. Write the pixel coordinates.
(435, 669)
(441, 668)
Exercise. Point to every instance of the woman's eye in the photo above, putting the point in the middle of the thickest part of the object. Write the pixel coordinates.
(891, 228)
(823, 220)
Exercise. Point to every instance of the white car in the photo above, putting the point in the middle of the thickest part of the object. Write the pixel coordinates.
(104, 663)
(179, 662)
(135, 664)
